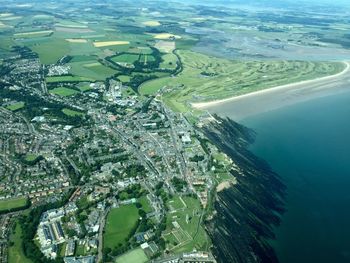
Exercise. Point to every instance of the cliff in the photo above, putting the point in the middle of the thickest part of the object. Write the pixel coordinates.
(245, 213)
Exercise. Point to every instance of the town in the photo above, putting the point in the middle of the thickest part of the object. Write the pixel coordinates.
(138, 178)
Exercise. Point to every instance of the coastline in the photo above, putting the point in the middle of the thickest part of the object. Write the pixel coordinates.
(272, 90)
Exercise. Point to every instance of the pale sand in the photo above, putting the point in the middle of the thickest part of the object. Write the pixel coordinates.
(76, 40)
(251, 104)
(110, 43)
(297, 85)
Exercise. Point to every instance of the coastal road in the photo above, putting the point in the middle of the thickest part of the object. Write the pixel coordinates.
(254, 103)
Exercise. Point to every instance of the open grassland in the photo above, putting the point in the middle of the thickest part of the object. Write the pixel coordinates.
(187, 233)
(72, 113)
(12, 203)
(134, 256)
(15, 252)
(120, 222)
(110, 43)
(15, 106)
(207, 78)
(63, 92)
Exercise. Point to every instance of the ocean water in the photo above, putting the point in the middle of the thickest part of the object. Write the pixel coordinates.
(308, 145)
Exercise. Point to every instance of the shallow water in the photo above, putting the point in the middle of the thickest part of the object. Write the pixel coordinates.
(308, 144)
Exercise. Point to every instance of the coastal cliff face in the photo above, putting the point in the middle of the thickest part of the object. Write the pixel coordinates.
(246, 212)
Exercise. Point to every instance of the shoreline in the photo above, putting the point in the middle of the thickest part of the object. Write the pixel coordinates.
(286, 87)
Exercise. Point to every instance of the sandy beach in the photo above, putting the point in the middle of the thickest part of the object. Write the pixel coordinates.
(253, 103)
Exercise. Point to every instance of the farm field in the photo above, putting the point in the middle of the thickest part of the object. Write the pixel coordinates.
(63, 91)
(12, 203)
(206, 78)
(91, 70)
(133, 256)
(119, 224)
(110, 43)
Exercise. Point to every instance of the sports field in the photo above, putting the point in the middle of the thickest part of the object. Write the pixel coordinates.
(134, 256)
(12, 203)
(63, 91)
(120, 222)
(72, 113)
(15, 106)
(67, 79)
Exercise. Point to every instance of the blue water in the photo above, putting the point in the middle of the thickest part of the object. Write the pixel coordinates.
(308, 144)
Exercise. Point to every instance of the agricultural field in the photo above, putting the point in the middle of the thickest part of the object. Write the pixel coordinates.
(133, 256)
(91, 70)
(110, 43)
(12, 203)
(63, 92)
(120, 222)
(206, 78)
(15, 106)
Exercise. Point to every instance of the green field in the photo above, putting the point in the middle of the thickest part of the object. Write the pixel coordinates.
(134, 256)
(191, 234)
(31, 157)
(45, 49)
(169, 61)
(119, 224)
(63, 91)
(91, 69)
(12, 203)
(124, 78)
(72, 113)
(15, 106)
(66, 79)
(126, 58)
(146, 206)
(207, 78)
(15, 252)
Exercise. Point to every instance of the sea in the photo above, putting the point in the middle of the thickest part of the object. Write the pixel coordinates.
(308, 145)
